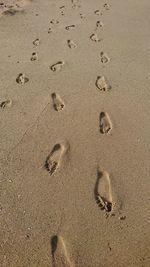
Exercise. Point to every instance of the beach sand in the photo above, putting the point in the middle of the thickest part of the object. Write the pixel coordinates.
(74, 133)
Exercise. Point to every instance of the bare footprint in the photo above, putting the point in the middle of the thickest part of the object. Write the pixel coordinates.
(71, 44)
(69, 27)
(6, 103)
(34, 56)
(82, 16)
(106, 6)
(95, 38)
(22, 79)
(53, 160)
(102, 191)
(54, 21)
(58, 104)
(50, 30)
(105, 124)
(102, 84)
(62, 8)
(57, 66)
(60, 255)
(99, 24)
(104, 58)
(36, 42)
(97, 12)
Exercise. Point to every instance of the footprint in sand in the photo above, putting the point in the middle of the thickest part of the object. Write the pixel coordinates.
(102, 191)
(95, 38)
(102, 84)
(105, 124)
(82, 16)
(58, 104)
(106, 6)
(69, 27)
(54, 21)
(54, 159)
(50, 30)
(99, 24)
(34, 56)
(22, 79)
(57, 66)
(76, 3)
(36, 42)
(6, 103)
(71, 44)
(62, 8)
(60, 256)
(104, 58)
(97, 12)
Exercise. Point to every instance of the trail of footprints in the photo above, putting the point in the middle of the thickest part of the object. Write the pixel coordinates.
(53, 162)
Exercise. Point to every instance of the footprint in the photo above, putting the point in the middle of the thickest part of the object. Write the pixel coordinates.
(36, 42)
(104, 58)
(53, 160)
(95, 38)
(50, 30)
(98, 12)
(102, 84)
(105, 124)
(62, 10)
(71, 44)
(102, 191)
(54, 21)
(60, 256)
(6, 103)
(57, 66)
(99, 24)
(82, 16)
(69, 27)
(106, 6)
(57, 102)
(22, 79)
(34, 56)
(76, 3)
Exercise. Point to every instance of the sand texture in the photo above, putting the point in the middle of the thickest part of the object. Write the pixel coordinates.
(74, 133)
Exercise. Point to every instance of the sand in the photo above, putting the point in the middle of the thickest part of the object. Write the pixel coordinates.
(74, 133)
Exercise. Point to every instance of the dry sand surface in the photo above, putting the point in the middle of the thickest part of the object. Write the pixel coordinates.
(74, 133)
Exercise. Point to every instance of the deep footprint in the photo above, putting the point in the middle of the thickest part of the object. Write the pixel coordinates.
(69, 27)
(102, 191)
(57, 66)
(58, 104)
(22, 79)
(60, 256)
(36, 42)
(102, 84)
(105, 124)
(53, 160)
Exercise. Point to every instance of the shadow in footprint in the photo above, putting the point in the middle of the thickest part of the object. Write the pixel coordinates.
(58, 104)
(22, 79)
(60, 256)
(6, 103)
(104, 58)
(71, 44)
(95, 38)
(105, 123)
(102, 84)
(57, 66)
(102, 191)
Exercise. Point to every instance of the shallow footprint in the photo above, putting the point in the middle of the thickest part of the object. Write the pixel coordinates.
(71, 44)
(105, 123)
(57, 66)
(34, 56)
(22, 79)
(102, 191)
(62, 8)
(69, 27)
(102, 84)
(36, 42)
(95, 38)
(58, 104)
(106, 6)
(99, 24)
(53, 160)
(6, 103)
(97, 12)
(104, 58)
(60, 256)
(54, 21)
